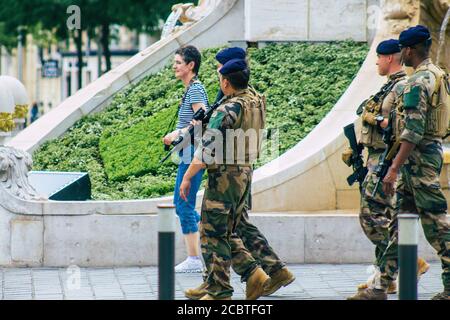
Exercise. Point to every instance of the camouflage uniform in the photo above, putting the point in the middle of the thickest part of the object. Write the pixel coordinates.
(418, 188)
(375, 212)
(259, 248)
(224, 215)
(254, 241)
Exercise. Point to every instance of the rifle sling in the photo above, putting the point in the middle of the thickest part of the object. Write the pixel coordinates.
(386, 89)
(393, 151)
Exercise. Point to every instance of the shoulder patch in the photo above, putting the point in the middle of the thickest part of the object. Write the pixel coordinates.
(215, 122)
(411, 97)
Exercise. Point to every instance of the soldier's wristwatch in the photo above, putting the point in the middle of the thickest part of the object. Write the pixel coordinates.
(379, 120)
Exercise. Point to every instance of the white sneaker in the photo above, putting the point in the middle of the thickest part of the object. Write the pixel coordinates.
(189, 266)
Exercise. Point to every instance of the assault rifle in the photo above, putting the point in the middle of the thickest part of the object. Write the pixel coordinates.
(359, 171)
(388, 155)
(199, 115)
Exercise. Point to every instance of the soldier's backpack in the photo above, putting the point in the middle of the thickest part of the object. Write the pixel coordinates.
(440, 98)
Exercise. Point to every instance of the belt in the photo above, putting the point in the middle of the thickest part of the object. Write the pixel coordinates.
(234, 167)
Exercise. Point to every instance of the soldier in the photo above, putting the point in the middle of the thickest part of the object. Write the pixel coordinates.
(375, 206)
(252, 238)
(225, 55)
(229, 179)
(420, 125)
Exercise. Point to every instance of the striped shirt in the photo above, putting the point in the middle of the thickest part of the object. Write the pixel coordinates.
(195, 94)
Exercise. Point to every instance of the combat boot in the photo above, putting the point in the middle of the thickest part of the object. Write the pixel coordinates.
(210, 297)
(362, 286)
(422, 267)
(392, 289)
(196, 293)
(256, 284)
(369, 294)
(371, 281)
(442, 296)
(281, 278)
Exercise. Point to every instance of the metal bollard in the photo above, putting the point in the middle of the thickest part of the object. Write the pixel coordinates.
(407, 255)
(166, 252)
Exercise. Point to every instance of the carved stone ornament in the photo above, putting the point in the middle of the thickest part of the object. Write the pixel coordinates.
(187, 14)
(14, 167)
(401, 14)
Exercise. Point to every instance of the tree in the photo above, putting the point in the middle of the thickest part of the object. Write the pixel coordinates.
(97, 17)
(77, 33)
(138, 15)
(7, 40)
(44, 19)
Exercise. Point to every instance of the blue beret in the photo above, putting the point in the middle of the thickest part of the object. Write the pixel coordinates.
(233, 65)
(228, 54)
(388, 47)
(414, 35)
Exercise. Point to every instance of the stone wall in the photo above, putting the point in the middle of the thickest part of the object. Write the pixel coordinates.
(307, 20)
(432, 15)
(104, 240)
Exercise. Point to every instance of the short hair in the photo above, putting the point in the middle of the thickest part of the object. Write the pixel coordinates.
(189, 54)
(423, 49)
(397, 57)
(239, 80)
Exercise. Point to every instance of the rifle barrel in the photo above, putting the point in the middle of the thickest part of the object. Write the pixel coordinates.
(206, 115)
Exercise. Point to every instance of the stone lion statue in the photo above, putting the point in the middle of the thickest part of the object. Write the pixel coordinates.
(14, 167)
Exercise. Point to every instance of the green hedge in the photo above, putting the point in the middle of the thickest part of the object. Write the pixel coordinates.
(136, 151)
(121, 146)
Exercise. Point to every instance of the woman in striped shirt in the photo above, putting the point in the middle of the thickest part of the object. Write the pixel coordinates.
(186, 66)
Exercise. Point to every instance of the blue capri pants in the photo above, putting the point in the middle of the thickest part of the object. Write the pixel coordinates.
(189, 217)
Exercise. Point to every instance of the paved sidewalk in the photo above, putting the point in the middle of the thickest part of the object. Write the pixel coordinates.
(319, 281)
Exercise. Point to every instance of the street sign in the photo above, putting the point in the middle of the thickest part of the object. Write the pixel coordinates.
(50, 69)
